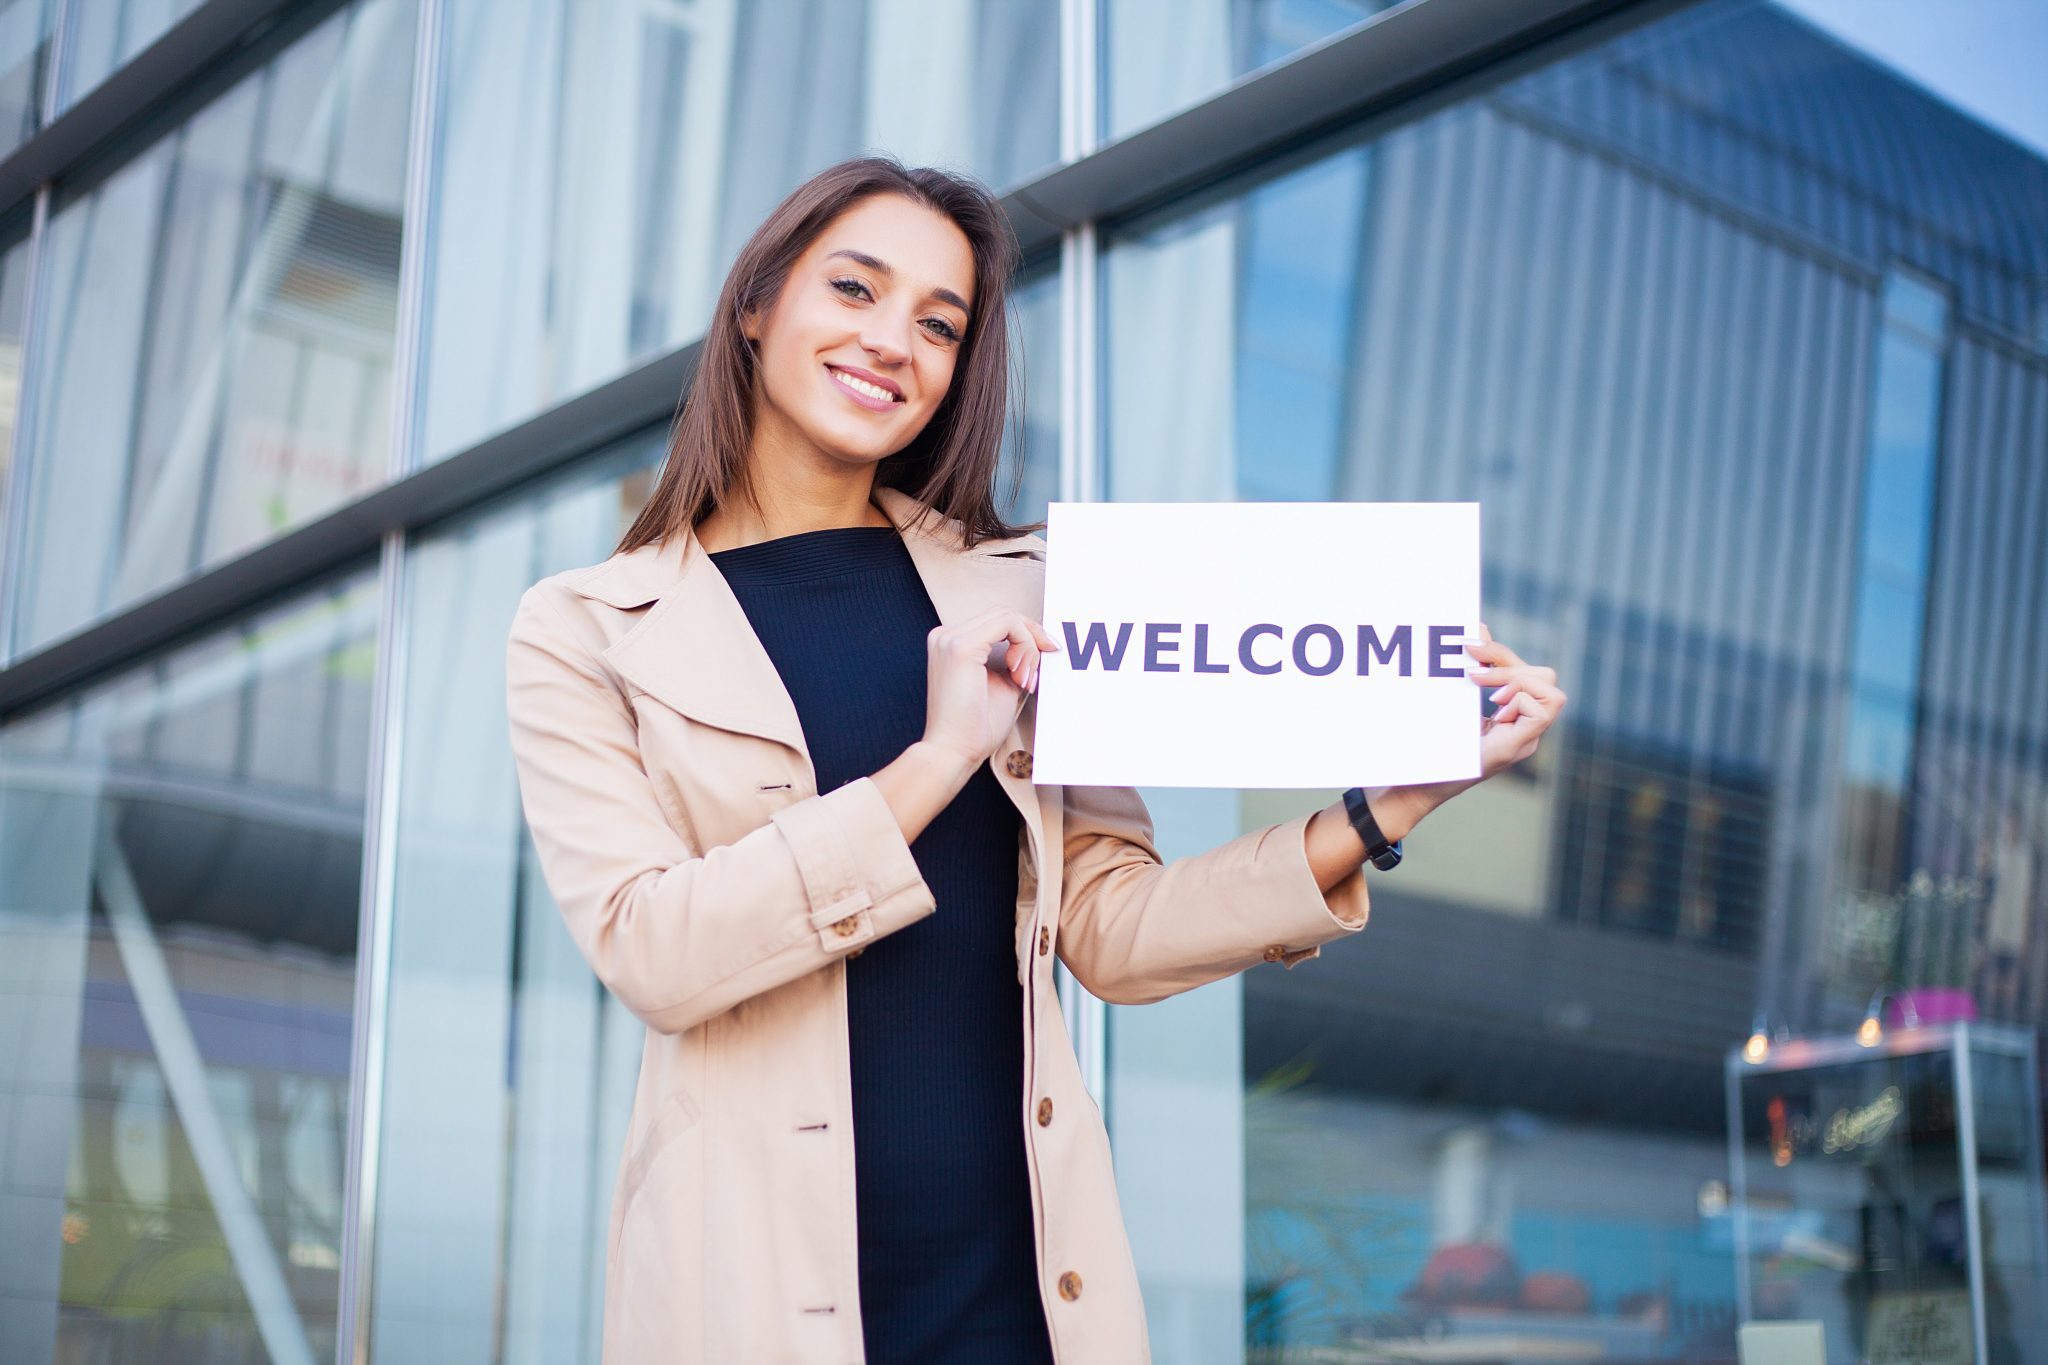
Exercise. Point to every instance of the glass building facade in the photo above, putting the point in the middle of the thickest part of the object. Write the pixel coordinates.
(325, 329)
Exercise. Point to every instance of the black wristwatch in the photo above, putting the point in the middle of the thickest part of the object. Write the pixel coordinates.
(1378, 851)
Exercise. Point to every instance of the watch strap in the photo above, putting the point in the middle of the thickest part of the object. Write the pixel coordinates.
(1378, 850)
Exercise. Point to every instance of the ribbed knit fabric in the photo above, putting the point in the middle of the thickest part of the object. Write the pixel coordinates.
(948, 1268)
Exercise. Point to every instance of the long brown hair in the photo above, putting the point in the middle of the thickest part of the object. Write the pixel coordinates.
(951, 464)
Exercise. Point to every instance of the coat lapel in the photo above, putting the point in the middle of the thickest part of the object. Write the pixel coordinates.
(695, 650)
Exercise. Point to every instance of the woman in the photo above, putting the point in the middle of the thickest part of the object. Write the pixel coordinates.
(775, 755)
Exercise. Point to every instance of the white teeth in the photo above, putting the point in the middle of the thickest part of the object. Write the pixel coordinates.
(862, 386)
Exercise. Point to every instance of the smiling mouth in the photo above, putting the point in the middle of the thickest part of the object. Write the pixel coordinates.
(861, 388)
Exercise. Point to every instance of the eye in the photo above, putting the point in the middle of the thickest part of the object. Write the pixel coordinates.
(847, 285)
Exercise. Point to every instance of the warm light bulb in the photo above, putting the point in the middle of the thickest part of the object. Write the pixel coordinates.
(1870, 1032)
(1757, 1048)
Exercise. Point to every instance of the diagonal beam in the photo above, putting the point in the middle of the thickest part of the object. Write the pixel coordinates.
(149, 976)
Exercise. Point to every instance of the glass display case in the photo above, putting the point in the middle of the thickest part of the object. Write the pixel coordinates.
(1888, 1187)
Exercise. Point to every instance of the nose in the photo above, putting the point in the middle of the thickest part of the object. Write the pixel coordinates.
(887, 339)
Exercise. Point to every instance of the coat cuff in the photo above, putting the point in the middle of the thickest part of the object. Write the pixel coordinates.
(1304, 915)
(860, 878)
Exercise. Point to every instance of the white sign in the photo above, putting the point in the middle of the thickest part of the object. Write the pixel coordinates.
(1259, 644)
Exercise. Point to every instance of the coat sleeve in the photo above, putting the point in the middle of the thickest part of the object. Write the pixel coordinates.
(1134, 930)
(678, 935)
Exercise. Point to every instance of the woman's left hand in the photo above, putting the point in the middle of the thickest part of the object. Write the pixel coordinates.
(1529, 700)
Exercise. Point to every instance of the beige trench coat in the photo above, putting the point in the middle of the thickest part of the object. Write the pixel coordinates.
(673, 807)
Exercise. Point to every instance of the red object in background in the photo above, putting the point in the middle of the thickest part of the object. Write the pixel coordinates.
(1467, 1274)
(1553, 1291)
(1932, 1005)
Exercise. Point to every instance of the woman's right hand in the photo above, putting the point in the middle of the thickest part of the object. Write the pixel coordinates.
(970, 704)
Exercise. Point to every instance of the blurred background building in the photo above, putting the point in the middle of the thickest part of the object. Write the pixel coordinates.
(325, 329)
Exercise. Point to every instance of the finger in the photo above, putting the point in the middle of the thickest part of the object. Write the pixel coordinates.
(1003, 622)
(1536, 709)
(1013, 655)
(1520, 680)
(1513, 711)
(1492, 652)
(1026, 644)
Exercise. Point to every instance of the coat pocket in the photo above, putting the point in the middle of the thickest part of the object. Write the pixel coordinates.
(678, 1115)
(654, 1286)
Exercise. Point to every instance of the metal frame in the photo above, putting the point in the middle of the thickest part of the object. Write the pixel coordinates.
(1086, 1016)
(1966, 1137)
(376, 905)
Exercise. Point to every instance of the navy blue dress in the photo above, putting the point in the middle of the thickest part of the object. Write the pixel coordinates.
(948, 1266)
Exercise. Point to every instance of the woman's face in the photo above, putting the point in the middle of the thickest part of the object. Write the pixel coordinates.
(881, 297)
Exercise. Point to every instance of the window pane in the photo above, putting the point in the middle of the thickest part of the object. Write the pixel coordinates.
(508, 1070)
(105, 35)
(1033, 443)
(14, 258)
(588, 209)
(180, 857)
(26, 30)
(1159, 56)
(1777, 523)
(214, 366)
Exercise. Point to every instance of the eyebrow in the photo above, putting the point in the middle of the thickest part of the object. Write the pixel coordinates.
(941, 293)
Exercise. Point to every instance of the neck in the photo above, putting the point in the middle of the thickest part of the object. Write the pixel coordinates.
(783, 511)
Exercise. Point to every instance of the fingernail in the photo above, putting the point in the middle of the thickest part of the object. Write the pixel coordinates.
(1497, 692)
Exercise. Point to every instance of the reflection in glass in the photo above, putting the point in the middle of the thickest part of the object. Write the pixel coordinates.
(180, 855)
(101, 36)
(26, 30)
(214, 365)
(1899, 480)
(1162, 55)
(1031, 451)
(14, 259)
(588, 204)
(1892, 1193)
(1732, 331)
(508, 1070)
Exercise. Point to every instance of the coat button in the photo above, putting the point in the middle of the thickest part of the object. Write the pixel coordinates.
(1044, 1112)
(858, 951)
(1044, 940)
(1070, 1286)
(1019, 763)
(1275, 951)
(845, 928)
